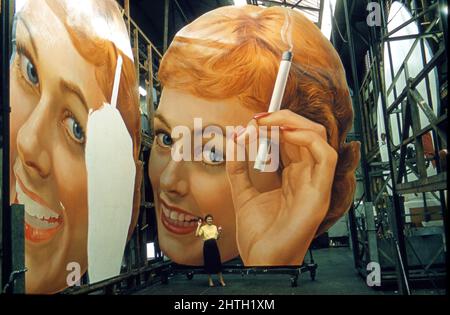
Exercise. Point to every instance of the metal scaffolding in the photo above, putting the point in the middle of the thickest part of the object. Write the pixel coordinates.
(403, 131)
(313, 9)
(147, 59)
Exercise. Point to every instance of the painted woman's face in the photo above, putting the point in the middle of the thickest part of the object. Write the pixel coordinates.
(52, 89)
(187, 190)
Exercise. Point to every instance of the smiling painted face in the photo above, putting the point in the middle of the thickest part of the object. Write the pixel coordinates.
(52, 89)
(187, 190)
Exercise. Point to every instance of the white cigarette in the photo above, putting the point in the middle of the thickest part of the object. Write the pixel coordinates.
(275, 105)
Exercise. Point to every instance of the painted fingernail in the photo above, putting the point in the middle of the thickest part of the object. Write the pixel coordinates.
(261, 115)
(287, 128)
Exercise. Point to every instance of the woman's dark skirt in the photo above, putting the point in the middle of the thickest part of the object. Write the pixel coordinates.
(211, 256)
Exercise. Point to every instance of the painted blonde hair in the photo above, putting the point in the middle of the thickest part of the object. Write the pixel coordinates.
(235, 52)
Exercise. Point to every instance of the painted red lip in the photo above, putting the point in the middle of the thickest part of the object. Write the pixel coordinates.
(172, 227)
(31, 194)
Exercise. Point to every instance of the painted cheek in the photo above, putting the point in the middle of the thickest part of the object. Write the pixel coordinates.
(157, 163)
(21, 107)
(70, 189)
(213, 195)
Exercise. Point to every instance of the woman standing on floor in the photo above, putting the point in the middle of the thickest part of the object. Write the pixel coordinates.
(211, 255)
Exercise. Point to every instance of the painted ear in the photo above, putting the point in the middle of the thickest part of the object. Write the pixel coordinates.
(136, 198)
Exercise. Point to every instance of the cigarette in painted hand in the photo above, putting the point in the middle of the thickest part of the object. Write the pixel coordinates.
(275, 105)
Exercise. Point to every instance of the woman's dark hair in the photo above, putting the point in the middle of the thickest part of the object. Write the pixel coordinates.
(208, 216)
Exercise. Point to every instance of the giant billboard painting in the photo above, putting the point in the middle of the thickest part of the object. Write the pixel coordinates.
(75, 136)
(219, 76)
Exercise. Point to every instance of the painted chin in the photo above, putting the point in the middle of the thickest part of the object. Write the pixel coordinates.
(42, 223)
(175, 220)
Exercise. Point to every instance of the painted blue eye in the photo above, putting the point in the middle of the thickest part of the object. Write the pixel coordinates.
(164, 139)
(32, 74)
(74, 129)
(29, 71)
(167, 140)
(213, 157)
(77, 130)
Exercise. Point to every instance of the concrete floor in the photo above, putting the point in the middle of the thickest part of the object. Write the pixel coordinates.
(335, 275)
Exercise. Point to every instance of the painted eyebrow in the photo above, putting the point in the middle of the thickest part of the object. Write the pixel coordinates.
(74, 89)
(224, 132)
(165, 122)
(162, 119)
(27, 27)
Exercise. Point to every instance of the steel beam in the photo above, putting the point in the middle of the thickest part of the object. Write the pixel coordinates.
(166, 24)
(427, 184)
(396, 219)
(7, 8)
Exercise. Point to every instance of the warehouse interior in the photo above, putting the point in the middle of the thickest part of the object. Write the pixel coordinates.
(394, 238)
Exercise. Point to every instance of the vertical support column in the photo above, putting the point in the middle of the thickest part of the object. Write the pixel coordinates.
(144, 238)
(371, 232)
(443, 5)
(18, 249)
(149, 86)
(127, 14)
(357, 104)
(136, 55)
(166, 24)
(396, 219)
(6, 239)
(322, 4)
(354, 237)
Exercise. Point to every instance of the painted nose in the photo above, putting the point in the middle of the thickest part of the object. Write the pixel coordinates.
(31, 147)
(172, 180)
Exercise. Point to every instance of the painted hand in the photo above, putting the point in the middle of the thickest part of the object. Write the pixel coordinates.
(277, 227)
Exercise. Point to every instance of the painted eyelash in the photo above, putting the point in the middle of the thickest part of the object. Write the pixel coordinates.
(157, 131)
(23, 51)
(161, 131)
(215, 165)
(69, 114)
(212, 165)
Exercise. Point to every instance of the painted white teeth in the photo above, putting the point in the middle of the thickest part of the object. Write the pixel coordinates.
(166, 211)
(38, 223)
(179, 218)
(34, 209)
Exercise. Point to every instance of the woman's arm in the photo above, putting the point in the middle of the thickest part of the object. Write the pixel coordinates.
(197, 232)
(219, 231)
